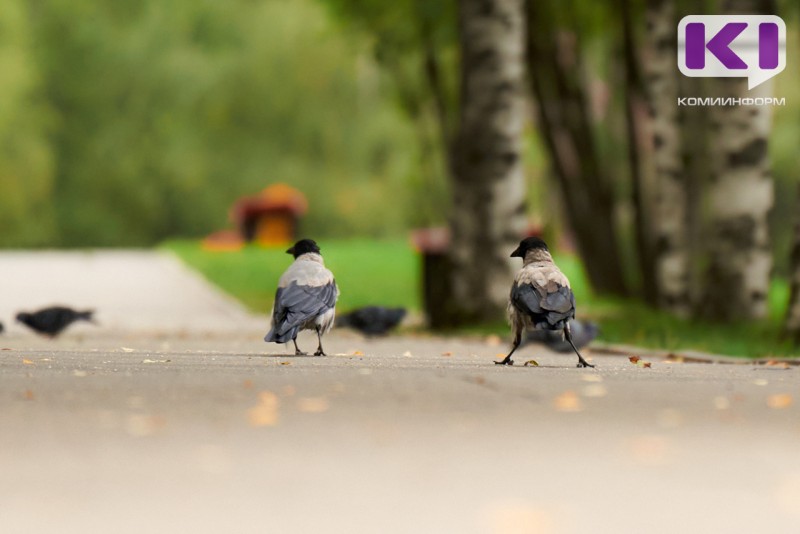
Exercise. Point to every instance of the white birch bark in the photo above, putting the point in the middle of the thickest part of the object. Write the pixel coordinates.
(740, 198)
(489, 189)
(670, 200)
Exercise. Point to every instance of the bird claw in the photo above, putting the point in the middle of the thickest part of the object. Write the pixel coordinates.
(505, 362)
(299, 352)
(582, 364)
(320, 352)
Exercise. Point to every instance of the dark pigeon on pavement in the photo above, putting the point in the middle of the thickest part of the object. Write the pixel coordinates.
(52, 321)
(372, 320)
(583, 333)
(305, 299)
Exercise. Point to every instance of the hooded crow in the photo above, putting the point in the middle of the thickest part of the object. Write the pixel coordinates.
(583, 333)
(52, 321)
(305, 299)
(372, 320)
(540, 298)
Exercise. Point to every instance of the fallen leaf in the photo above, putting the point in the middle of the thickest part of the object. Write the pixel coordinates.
(761, 381)
(79, 373)
(647, 365)
(779, 401)
(568, 402)
(140, 425)
(591, 378)
(313, 404)
(265, 413)
(156, 361)
(26, 361)
(447, 353)
(595, 390)
(407, 354)
(722, 403)
(532, 363)
(777, 365)
(286, 363)
(493, 340)
(649, 449)
(670, 418)
(5, 349)
(357, 353)
(634, 359)
(126, 349)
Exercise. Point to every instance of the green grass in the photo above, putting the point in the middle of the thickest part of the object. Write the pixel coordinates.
(367, 271)
(631, 322)
(387, 273)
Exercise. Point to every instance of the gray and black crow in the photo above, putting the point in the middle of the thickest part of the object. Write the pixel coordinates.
(583, 333)
(372, 320)
(305, 299)
(52, 321)
(540, 298)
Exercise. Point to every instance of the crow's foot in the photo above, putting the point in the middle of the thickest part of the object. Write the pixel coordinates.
(320, 352)
(298, 352)
(584, 363)
(507, 361)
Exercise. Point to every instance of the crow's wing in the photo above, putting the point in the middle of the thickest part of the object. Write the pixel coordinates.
(296, 304)
(547, 309)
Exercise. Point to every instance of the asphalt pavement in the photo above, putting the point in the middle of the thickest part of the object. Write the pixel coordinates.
(185, 429)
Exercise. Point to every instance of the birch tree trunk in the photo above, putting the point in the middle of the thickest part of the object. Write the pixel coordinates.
(792, 324)
(740, 197)
(670, 214)
(488, 216)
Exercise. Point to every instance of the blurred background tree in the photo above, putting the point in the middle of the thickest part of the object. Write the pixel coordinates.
(129, 122)
(125, 123)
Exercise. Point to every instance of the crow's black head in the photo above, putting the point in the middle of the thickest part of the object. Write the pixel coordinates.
(529, 243)
(304, 246)
(23, 317)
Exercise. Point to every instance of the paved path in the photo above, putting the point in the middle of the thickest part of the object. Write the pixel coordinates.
(174, 416)
(133, 291)
(396, 435)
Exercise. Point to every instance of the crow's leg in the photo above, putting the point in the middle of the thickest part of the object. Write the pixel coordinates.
(319, 352)
(568, 336)
(297, 351)
(507, 360)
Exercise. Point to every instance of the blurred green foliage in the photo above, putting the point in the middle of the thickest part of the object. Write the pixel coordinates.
(387, 272)
(368, 272)
(122, 123)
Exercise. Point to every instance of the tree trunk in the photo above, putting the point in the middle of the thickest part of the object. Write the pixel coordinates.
(740, 197)
(640, 154)
(670, 214)
(488, 216)
(792, 324)
(554, 61)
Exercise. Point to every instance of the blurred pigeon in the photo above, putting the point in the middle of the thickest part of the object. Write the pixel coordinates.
(540, 298)
(1, 328)
(305, 299)
(372, 320)
(583, 332)
(52, 321)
